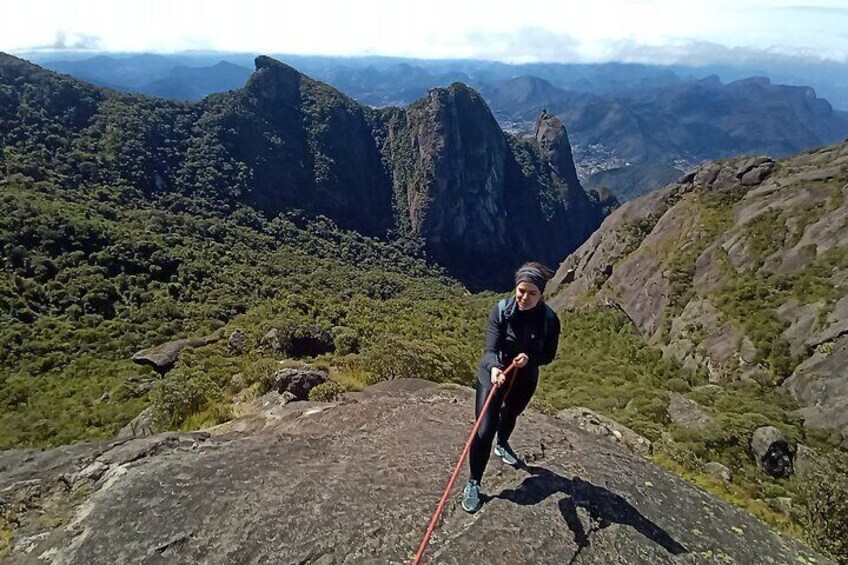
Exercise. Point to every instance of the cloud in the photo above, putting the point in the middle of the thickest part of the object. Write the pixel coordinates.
(535, 44)
(73, 41)
(705, 52)
(818, 10)
(527, 45)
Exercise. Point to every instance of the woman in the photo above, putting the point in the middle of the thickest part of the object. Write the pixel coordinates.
(522, 329)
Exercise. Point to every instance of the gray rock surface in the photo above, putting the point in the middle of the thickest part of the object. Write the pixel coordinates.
(357, 482)
(270, 405)
(236, 342)
(807, 461)
(738, 220)
(297, 382)
(594, 423)
(820, 384)
(687, 413)
(271, 341)
(140, 426)
(718, 470)
(782, 504)
(163, 357)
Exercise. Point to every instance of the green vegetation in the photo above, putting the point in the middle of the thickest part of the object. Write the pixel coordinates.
(605, 365)
(681, 254)
(825, 511)
(86, 284)
(127, 222)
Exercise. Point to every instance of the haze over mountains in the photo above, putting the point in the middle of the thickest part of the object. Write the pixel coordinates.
(632, 127)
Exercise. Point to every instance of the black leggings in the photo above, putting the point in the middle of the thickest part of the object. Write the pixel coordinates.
(499, 418)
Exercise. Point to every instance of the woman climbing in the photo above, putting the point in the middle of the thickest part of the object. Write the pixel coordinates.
(524, 330)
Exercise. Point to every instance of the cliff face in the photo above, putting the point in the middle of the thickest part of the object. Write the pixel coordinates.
(483, 201)
(309, 147)
(356, 482)
(740, 270)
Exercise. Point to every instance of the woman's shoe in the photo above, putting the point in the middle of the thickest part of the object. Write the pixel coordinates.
(471, 497)
(507, 455)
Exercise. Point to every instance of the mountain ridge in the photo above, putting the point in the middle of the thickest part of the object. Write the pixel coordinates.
(618, 114)
(286, 141)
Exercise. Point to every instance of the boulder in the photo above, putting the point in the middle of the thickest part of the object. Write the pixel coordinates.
(807, 460)
(687, 413)
(782, 504)
(140, 426)
(718, 470)
(270, 342)
(297, 381)
(237, 342)
(163, 357)
(774, 454)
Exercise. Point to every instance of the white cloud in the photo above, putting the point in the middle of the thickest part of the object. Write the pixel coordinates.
(558, 30)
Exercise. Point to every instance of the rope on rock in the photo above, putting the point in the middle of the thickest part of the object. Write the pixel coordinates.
(462, 457)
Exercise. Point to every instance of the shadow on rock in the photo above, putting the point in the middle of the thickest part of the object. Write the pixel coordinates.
(604, 507)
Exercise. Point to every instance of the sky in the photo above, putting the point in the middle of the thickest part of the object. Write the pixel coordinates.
(655, 31)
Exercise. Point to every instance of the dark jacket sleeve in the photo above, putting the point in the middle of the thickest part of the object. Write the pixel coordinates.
(491, 356)
(549, 348)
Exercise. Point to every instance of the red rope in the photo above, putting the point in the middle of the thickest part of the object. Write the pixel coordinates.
(446, 494)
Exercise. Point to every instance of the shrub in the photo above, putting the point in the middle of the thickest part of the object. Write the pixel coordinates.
(181, 394)
(398, 359)
(824, 499)
(259, 371)
(347, 341)
(327, 392)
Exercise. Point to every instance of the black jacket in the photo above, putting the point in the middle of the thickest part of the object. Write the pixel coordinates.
(534, 332)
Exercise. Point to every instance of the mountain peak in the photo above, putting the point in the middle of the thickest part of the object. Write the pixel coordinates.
(273, 80)
(264, 62)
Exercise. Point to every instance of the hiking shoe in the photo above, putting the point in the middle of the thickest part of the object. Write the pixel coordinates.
(507, 455)
(471, 497)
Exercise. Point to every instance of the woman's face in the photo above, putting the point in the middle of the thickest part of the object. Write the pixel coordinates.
(527, 295)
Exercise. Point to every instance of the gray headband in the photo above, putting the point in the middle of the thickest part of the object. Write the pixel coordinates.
(531, 275)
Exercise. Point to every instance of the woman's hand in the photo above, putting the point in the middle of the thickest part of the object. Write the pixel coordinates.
(521, 359)
(498, 377)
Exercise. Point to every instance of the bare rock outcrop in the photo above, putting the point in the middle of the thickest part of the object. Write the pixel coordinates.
(594, 423)
(142, 425)
(297, 382)
(690, 265)
(484, 201)
(356, 482)
(163, 357)
(687, 413)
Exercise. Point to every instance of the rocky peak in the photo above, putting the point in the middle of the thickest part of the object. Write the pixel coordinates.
(484, 202)
(273, 81)
(362, 477)
(552, 141)
(441, 170)
(456, 202)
